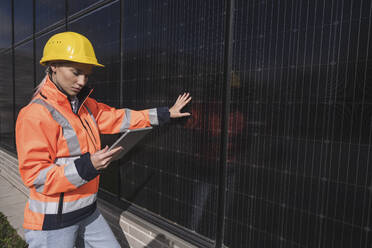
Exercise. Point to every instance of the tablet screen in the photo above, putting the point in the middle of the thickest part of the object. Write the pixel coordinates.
(128, 140)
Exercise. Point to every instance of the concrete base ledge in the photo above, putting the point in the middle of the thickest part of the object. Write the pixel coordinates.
(130, 230)
(9, 170)
(133, 231)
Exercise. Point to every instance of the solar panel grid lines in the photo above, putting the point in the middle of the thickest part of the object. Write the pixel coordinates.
(356, 174)
(259, 63)
(178, 76)
(289, 133)
(23, 66)
(48, 13)
(325, 124)
(299, 127)
(338, 187)
(368, 222)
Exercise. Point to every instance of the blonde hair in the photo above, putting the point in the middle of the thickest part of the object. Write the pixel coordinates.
(37, 89)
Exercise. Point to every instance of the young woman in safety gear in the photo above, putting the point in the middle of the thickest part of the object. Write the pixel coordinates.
(59, 147)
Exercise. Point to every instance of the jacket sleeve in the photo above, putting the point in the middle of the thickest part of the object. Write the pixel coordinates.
(111, 120)
(36, 148)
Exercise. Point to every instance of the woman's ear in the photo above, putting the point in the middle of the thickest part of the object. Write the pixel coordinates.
(53, 67)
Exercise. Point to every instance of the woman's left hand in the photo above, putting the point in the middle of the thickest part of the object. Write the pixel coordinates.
(181, 102)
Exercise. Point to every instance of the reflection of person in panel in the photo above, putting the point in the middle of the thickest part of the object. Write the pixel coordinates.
(59, 148)
(209, 125)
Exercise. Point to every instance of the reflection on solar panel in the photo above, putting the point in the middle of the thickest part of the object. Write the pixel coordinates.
(23, 20)
(49, 13)
(76, 6)
(299, 165)
(5, 24)
(299, 125)
(171, 47)
(24, 73)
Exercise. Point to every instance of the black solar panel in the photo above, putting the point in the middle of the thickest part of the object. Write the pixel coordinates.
(23, 20)
(299, 160)
(5, 24)
(76, 6)
(171, 47)
(6, 102)
(49, 13)
(6, 82)
(24, 75)
(299, 122)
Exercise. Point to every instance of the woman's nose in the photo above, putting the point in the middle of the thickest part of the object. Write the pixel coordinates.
(82, 80)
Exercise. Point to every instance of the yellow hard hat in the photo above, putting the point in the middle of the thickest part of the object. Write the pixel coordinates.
(69, 46)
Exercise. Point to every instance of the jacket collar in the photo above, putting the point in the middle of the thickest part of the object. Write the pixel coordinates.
(51, 92)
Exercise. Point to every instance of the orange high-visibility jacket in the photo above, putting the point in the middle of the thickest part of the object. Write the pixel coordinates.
(54, 146)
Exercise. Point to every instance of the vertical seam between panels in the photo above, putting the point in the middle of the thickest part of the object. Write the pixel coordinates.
(66, 15)
(34, 40)
(121, 101)
(229, 22)
(13, 73)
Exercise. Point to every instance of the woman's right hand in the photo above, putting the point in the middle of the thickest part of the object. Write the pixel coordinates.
(102, 158)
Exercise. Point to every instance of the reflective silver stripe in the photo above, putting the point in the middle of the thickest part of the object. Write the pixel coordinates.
(153, 115)
(68, 131)
(126, 121)
(78, 204)
(40, 180)
(52, 207)
(70, 171)
(91, 115)
(43, 207)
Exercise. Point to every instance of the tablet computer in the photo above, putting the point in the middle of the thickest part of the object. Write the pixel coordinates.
(128, 140)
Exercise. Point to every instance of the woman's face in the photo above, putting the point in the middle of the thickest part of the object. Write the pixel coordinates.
(71, 76)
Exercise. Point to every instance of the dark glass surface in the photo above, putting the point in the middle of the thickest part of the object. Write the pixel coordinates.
(102, 28)
(6, 102)
(109, 180)
(24, 75)
(49, 12)
(75, 6)
(5, 24)
(300, 115)
(23, 19)
(171, 47)
(6, 80)
(300, 125)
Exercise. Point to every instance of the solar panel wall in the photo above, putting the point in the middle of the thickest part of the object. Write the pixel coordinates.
(300, 125)
(171, 47)
(277, 150)
(23, 20)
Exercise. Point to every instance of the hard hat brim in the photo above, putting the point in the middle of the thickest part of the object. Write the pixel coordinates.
(44, 62)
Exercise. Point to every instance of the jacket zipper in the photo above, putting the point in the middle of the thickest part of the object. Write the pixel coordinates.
(88, 132)
(60, 207)
(83, 101)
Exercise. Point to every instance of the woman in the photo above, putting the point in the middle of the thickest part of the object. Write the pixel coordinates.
(59, 148)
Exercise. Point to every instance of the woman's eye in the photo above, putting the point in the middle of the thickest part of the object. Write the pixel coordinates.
(76, 73)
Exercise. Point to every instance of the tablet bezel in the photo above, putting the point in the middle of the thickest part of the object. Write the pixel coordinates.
(141, 133)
